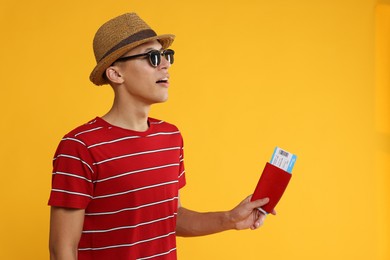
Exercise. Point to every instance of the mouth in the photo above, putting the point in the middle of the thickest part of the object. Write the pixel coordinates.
(163, 81)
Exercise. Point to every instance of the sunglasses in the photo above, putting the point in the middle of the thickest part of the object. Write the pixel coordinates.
(154, 56)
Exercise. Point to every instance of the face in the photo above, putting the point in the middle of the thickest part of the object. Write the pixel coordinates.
(140, 81)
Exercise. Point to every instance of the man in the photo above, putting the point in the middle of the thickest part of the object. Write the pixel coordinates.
(116, 179)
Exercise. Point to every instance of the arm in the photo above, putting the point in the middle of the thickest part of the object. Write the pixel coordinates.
(245, 215)
(65, 231)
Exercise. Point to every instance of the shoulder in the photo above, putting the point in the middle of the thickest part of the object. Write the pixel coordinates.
(85, 128)
(162, 125)
(75, 143)
(86, 133)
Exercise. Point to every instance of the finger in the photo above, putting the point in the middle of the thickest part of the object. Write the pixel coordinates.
(248, 199)
(261, 218)
(259, 203)
(258, 223)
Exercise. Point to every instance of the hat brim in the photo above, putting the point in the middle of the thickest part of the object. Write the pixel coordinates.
(96, 75)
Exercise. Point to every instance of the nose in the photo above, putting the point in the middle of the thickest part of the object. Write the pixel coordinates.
(165, 64)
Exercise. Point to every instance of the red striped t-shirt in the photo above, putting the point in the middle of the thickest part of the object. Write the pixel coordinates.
(128, 184)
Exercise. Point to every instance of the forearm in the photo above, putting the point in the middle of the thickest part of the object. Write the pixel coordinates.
(65, 232)
(64, 253)
(192, 223)
(244, 216)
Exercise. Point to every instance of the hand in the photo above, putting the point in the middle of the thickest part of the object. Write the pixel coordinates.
(246, 215)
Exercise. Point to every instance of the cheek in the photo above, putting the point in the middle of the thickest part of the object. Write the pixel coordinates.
(140, 84)
(139, 71)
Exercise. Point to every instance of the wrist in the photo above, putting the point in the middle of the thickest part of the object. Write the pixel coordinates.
(229, 221)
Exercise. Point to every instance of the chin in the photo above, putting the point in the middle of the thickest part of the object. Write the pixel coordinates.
(161, 100)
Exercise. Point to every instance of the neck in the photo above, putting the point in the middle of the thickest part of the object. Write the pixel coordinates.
(128, 114)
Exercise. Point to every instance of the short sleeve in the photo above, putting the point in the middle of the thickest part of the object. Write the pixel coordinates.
(73, 175)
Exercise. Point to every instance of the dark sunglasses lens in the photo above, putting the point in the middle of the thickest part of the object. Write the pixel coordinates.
(154, 58)
(168, 54)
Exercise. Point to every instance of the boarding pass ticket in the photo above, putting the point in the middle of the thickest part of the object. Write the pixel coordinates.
(283, 159)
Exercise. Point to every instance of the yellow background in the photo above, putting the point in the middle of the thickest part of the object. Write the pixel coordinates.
(309, 76)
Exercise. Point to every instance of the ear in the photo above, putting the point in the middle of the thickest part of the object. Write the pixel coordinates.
(114, 75)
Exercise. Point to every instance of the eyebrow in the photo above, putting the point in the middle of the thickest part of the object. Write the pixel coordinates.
(152, 49)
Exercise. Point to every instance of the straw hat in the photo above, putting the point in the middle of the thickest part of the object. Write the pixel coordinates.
(116, 37)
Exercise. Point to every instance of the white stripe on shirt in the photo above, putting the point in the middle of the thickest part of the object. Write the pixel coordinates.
(128, 245)
(73, 139)
(157, 123)
(135, 190)
(181, 174)
(163, 133)
(113, 141)
(75, 158)
(129, 227)
(161, 254)
(72, 175)
(133, 208)
(132, 137)
(139, 153)
(137, 171)
(72, 192)
(89, 130)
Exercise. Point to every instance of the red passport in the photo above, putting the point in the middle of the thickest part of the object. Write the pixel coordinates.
(272, 184)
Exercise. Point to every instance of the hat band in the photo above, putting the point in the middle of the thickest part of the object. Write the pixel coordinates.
(141, 35)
